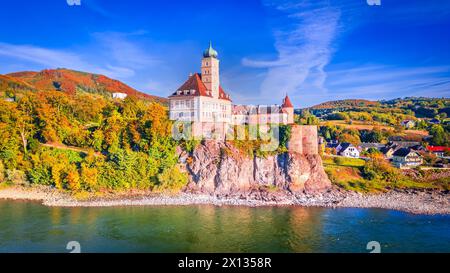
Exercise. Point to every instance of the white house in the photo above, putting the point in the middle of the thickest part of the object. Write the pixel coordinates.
(347, 150)
(120, 96)
(406, 158)
(408, 124)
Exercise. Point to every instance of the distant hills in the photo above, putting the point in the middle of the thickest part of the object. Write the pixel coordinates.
(350, 103)
(421, 107)
(71, 82)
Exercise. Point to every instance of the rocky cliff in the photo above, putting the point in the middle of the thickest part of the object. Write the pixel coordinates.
(219, 168)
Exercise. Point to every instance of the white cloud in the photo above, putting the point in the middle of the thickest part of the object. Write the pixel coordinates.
(304, 49)
(364, 74)
(124, 51)
(44, 56)
(111, 54)
(383, 81)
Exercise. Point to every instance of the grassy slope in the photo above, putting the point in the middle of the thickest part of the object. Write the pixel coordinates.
(347, 175)
(359, 125)
(413, 135)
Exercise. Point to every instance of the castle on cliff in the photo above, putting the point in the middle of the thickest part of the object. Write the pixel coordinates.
(202, 101)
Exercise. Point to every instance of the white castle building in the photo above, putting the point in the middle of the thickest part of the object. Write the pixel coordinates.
(202, 101)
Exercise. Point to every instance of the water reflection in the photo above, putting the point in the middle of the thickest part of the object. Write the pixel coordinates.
(30, 227)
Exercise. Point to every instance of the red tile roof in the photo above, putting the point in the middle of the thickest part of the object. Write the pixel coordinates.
(287, 103)
(438, 148)
(195, 83)
(223, 95)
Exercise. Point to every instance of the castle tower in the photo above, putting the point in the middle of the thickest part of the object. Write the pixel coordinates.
(210, 71)
(289, 108)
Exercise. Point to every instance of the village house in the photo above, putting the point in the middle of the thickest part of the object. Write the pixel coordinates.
(388, 151)
(435, 121)
(347, 149)
(9, 99)
(390, 148)
(408, 124)
(120, 96)
(332, 143)
(202, 101)
(406, 158)
(439, 151)
(365, 146)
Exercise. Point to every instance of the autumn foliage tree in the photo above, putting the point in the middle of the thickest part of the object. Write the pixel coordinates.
(110, 145)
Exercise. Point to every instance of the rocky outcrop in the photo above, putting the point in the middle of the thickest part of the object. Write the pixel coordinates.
(219, 168)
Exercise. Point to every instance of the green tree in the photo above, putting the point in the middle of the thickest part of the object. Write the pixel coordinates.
(439, 136)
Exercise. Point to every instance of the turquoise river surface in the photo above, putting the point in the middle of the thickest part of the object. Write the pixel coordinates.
(31, 227)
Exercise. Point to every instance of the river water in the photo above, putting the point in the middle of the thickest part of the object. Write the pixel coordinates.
(31, 227)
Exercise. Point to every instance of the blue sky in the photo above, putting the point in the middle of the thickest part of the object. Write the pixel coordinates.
(313, 50)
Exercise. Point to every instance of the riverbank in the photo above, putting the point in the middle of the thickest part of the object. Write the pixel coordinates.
(417, 202)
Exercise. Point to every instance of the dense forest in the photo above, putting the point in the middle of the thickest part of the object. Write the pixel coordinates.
(120, 144)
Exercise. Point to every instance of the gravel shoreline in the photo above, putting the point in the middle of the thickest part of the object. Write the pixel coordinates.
(417, 202)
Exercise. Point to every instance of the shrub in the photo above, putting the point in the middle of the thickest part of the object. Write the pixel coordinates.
(73, 180)
(172, 179)
(190, 145)
(40, 175)
(16, 177)
(89, 177)
(339, 160)
(2, 172)
(382, 169)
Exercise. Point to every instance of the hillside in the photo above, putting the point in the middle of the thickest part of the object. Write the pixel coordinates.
(71, 81)
(418, 107)
(359, 121)
(349, 103)
(14, 83)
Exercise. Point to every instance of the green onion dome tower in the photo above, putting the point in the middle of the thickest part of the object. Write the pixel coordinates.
(210, 52)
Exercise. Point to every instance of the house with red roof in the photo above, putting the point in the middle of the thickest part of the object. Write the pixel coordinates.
(439, 151)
